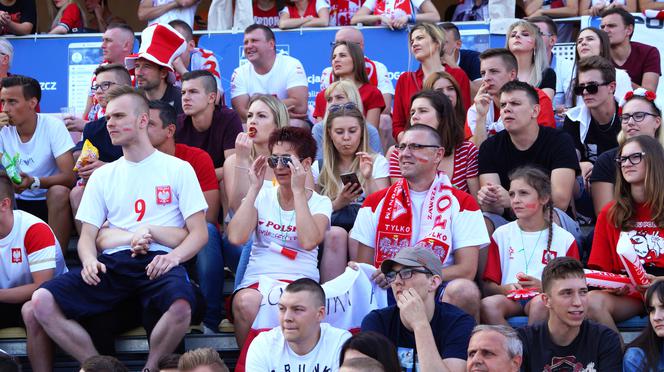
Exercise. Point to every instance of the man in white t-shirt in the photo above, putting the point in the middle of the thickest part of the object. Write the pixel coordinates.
(269, 72)
(164, 11)
(139, 194)
(301, 342)
(44, 148)
(29, 256)
(440, 217)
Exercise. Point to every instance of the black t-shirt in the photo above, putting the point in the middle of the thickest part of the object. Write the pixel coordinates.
(605, 167)
(451, 329)
(21, 11)
(548, 79)
(595, 348)
(173, 96)
(552, 149)
(469, 61)
(599, 139)
(96, 132)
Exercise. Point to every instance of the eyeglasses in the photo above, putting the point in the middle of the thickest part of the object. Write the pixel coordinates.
(274, 160)
(414, 146)
(104, 86)
(633, 159)
(591, 88)
(637, 116)
(548, 34)
(342, 106)
(405, 274)
(335, 43)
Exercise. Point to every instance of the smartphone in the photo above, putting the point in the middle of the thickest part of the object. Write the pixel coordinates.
(347, 178)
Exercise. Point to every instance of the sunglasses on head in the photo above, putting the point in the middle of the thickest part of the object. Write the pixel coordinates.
(274, 160)
(342, 106)
(591, 88)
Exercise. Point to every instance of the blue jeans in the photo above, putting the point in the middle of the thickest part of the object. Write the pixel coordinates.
(237, 257)
(210, 269)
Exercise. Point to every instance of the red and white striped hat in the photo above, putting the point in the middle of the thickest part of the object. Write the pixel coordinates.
(160, 44)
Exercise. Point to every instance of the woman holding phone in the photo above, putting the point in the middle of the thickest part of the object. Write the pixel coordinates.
(348, 172)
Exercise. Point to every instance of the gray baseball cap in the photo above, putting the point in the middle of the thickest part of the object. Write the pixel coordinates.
(414, 256)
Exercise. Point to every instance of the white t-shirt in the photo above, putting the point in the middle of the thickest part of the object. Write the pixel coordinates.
(183, 14)
(276, 228)
(392, 6)
(384, 83)
(30, 246)
(468, 228)
(286, 73)
(507, 256)
(37, 156)
(160, 190)
(269, 351)
(564, 69)
(381, 169)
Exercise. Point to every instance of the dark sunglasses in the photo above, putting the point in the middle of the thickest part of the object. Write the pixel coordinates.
(342, 106)
(405, 274)
(273, 161)
(634, 158)
(591, 88)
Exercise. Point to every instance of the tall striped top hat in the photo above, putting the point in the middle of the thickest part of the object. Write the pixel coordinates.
(160, 44)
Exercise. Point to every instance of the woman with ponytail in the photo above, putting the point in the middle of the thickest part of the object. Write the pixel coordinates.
(520, 249)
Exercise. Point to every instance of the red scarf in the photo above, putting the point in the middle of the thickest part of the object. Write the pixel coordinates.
(396, 219)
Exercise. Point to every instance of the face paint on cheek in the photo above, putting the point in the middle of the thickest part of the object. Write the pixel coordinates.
(126, 129)
(421, 158)
(531, 205)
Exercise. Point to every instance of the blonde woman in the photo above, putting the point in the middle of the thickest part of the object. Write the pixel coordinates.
(68, 16)
(340, 92)
(348, 172)
(525, 42)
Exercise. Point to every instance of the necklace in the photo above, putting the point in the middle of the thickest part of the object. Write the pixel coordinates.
(523, 248)
(610, 125)
(281, 210)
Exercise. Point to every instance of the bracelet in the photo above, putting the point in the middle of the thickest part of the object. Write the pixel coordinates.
(245, 168)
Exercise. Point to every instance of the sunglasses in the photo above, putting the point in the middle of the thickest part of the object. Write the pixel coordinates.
(633, 159)
(274, 160)
(637, 116)
(405, 274)
(591, 88)
(342, 106)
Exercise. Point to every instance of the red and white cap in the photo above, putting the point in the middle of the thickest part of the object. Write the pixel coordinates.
(160, 44)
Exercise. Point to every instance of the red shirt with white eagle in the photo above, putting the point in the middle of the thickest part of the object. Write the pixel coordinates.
(29, 247)
(394, 7)
(341, 11)
(646, 237)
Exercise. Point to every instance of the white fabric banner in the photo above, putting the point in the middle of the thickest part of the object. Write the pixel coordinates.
(349, 298)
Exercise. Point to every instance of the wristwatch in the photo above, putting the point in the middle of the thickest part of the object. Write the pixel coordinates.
(35, 184)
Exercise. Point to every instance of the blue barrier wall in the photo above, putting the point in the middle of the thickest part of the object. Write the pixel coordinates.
(63, 65)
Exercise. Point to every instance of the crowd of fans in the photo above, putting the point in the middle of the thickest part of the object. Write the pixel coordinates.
(464, 188)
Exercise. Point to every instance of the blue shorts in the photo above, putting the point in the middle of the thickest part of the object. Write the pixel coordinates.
(124, 278)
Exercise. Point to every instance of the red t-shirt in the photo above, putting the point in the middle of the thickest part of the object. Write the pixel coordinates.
(410, 83)
(341, 11)
(370, 95)
(643, 58)
(646, 237)
(202, 164)
(544, 119)
(309, 12)
(269, 18)
(71, 18)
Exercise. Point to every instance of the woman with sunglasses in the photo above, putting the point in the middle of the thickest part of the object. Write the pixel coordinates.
(595, 42)
(460, 163)
(646, 352)
(348, 64)
(640, 117)
(287, 222)
(524, 40)
(443, 82)
(636, 218)
(340, 93)
(346, 158)
(426, 41)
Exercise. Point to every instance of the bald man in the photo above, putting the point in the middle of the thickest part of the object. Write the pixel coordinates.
(377, 73)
